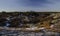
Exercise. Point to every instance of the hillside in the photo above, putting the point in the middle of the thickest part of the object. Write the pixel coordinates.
(30, 20)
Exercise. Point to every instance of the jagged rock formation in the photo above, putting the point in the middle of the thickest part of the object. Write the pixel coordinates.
(33, 20)
(21, 19)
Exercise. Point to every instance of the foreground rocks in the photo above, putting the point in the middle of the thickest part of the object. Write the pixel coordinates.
(21, 33)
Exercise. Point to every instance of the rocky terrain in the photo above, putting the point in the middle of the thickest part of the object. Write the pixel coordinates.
(21, 19)
(46, 23)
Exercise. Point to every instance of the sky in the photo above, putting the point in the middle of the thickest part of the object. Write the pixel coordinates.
(29, 5)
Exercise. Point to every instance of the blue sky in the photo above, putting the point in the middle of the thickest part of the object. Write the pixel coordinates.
(27, 5)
